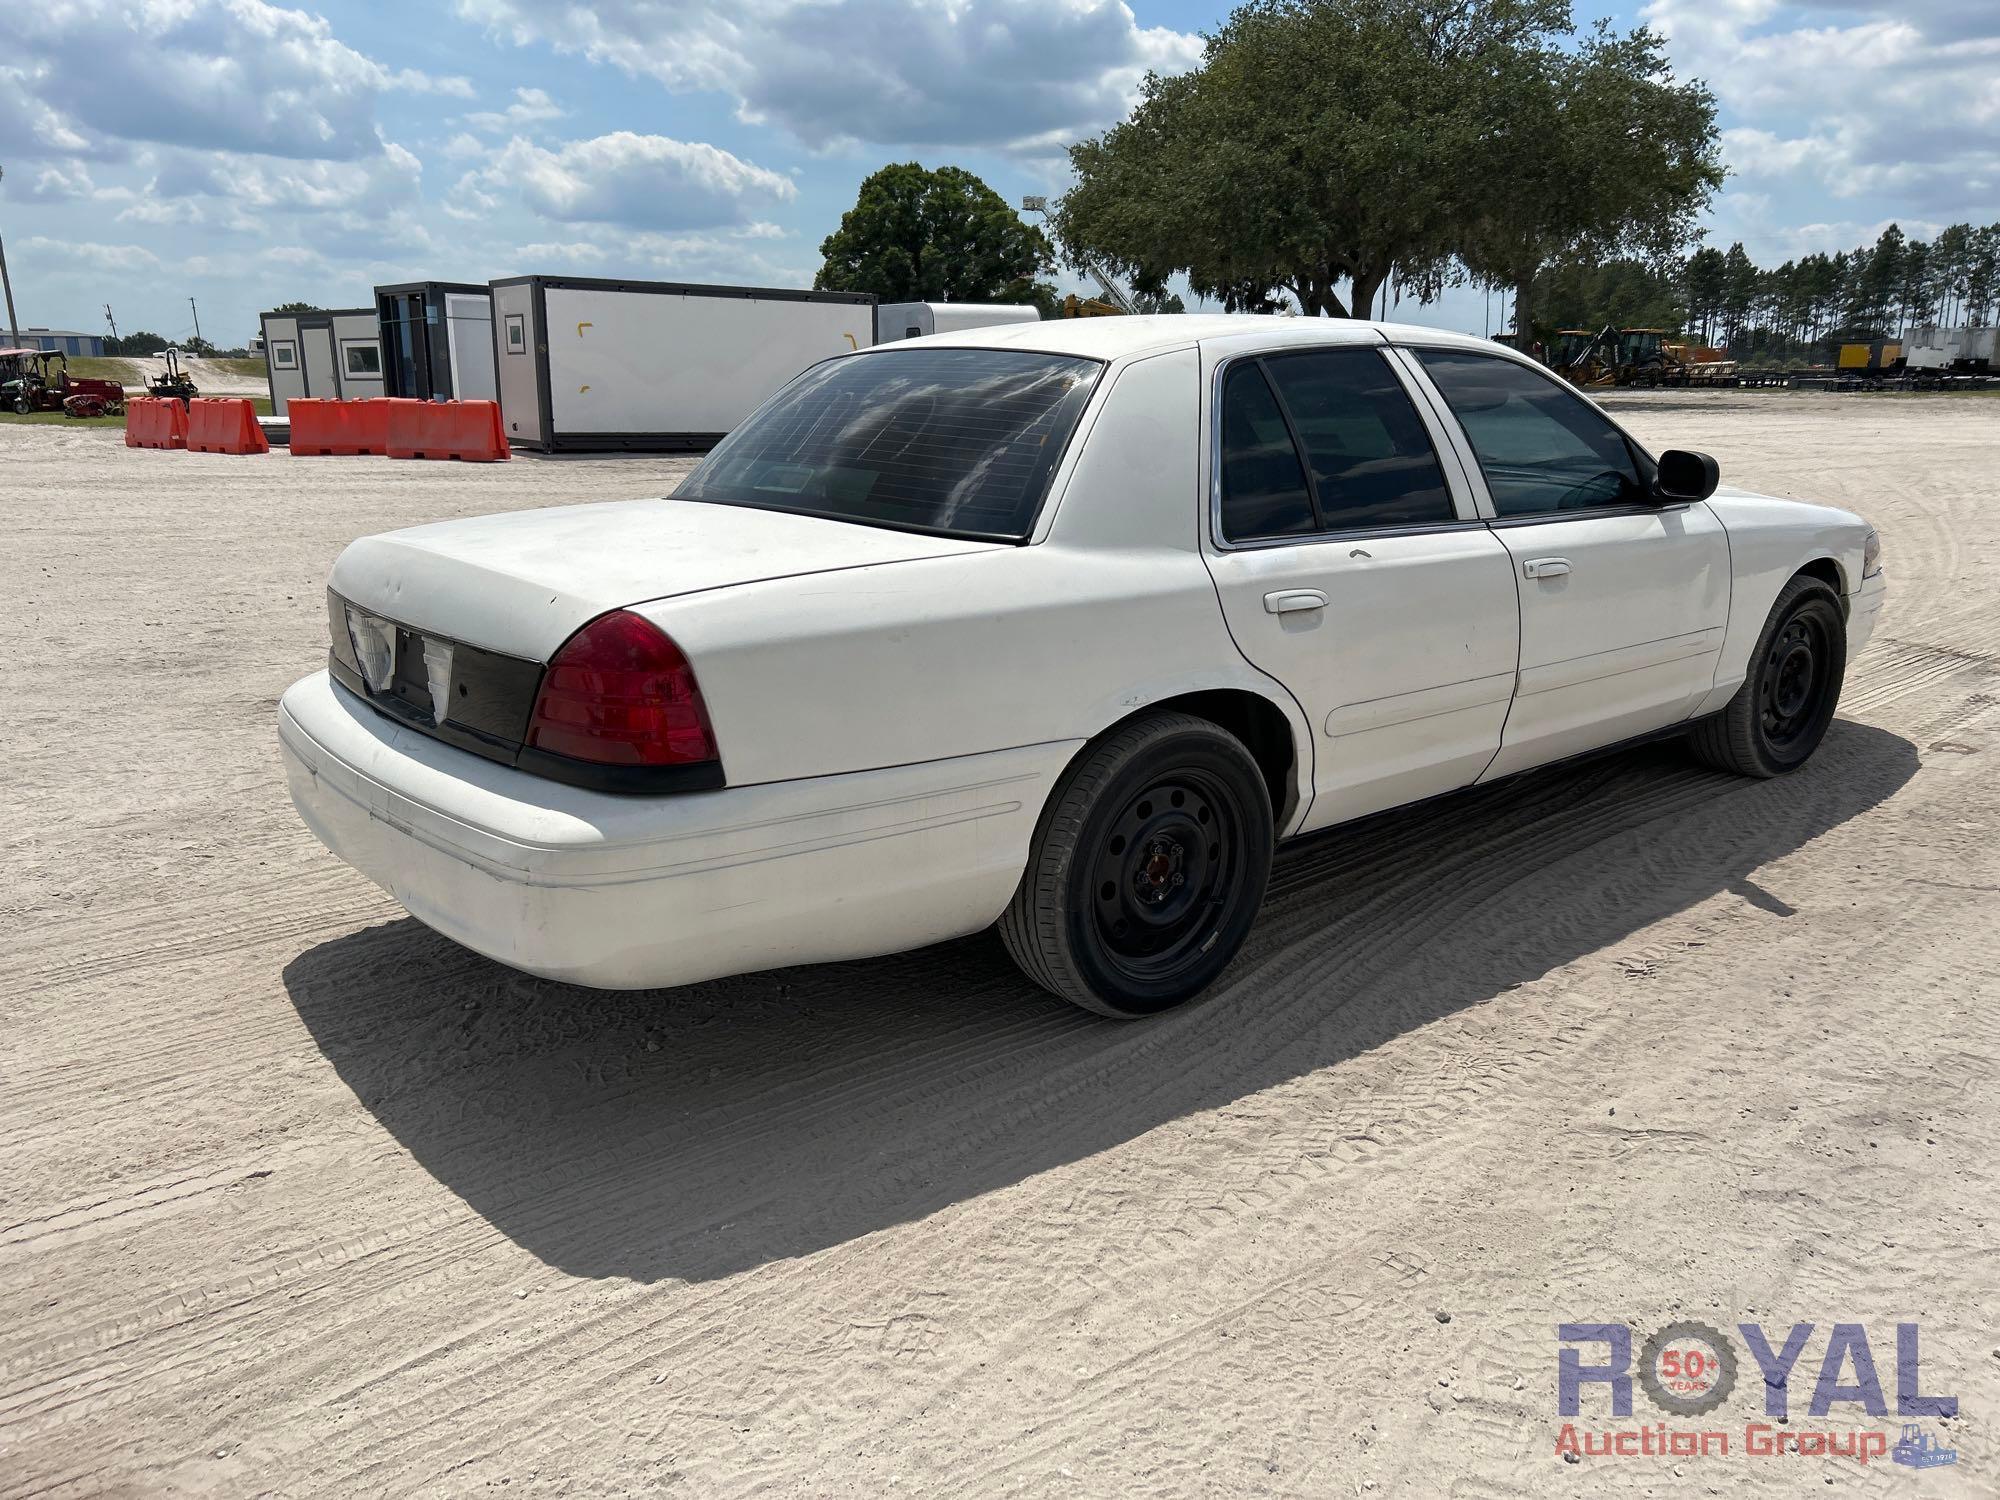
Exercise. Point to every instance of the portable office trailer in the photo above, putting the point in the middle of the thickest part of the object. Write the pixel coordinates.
(322, 354)
(437, 341)
(912, 320)
(590, 364)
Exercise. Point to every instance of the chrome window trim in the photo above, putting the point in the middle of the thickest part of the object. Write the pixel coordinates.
(1464, 497)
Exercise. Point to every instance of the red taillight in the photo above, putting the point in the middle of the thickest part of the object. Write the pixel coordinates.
(620, 693)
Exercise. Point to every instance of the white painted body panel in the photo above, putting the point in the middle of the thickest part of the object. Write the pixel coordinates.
(1622, 644)
(893, 710)
(523, 583)
(1405, 674)
(1769, 541)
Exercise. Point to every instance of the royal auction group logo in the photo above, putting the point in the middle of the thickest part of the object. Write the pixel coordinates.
(1688, 1369)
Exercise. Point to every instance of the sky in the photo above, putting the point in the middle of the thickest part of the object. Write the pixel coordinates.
(244, 153)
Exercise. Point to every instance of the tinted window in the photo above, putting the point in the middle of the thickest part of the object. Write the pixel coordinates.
(1263, 484)
(1372, 461)
(952, 440)
(1541, 447)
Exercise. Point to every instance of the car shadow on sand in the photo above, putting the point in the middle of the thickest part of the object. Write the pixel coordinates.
(699, 1132)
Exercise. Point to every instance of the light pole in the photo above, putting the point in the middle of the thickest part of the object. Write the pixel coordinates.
(13, 326)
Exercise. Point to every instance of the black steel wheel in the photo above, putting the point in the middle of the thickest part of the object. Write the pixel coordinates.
(1786, 704)
(1148, 868)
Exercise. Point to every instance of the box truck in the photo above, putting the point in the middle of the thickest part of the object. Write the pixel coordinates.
(912, 320)
(437, 341)
(587, 364)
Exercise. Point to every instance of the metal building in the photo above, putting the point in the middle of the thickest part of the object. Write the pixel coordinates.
(63, 340)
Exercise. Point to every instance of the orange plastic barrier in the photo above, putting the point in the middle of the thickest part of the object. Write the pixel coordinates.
(321, 427)
(155, 422)
(224, 424)
(468, 430)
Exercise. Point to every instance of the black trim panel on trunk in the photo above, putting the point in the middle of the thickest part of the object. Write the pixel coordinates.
(492, 700)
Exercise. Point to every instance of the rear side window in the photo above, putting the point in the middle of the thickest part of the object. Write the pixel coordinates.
(1324, 440)
(962, 442)
(1542, 448)
(1263, 483)
(1372, 461)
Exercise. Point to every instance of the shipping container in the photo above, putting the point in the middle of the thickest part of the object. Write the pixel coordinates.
(587, 364)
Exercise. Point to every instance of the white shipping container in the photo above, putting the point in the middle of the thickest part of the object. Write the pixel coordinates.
(588, 364)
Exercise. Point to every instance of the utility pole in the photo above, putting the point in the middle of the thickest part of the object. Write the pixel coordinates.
(13, 324)
(197, 317)
(112, 321)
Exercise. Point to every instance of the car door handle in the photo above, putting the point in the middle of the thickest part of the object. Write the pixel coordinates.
(1285, 602)
(1545, 567)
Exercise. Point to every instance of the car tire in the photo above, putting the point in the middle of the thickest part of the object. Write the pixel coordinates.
(1147, 870)
(1785, 706)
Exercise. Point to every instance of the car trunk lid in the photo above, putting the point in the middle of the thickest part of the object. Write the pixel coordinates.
(521, 584)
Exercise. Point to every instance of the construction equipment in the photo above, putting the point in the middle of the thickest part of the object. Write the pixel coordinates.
(1074, 306)
(1588, 359)
(1699, 364)
(1870, 361)
(173, 382)
(1636, 356)
(33, 380)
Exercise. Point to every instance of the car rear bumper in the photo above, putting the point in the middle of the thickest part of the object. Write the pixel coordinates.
(634, 892)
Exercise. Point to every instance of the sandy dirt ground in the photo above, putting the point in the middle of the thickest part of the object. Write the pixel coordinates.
(299, 1198)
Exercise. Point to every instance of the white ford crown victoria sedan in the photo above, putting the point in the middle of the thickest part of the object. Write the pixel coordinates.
(1059, 626)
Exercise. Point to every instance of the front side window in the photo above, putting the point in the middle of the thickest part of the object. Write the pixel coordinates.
(1542, 448)
(958, 441)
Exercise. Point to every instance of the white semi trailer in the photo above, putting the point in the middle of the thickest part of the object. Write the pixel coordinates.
(586, 364)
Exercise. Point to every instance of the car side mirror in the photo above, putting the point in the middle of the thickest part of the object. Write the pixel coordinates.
(1685, 476)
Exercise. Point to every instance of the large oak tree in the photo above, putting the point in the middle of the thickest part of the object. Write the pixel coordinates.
(1325, 145)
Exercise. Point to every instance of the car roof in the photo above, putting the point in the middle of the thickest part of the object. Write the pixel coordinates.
(1114, 338)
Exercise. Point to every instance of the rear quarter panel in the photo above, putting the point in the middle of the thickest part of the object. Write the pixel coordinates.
(916, 661)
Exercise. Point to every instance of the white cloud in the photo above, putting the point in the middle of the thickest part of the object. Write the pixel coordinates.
(1896, 104)
(89, 255)
(1024, 75)
(230, 75)
(647, 182)
(59, 184)
(530, 107)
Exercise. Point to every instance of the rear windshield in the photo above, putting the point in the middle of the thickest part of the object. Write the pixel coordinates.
(957, 441)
